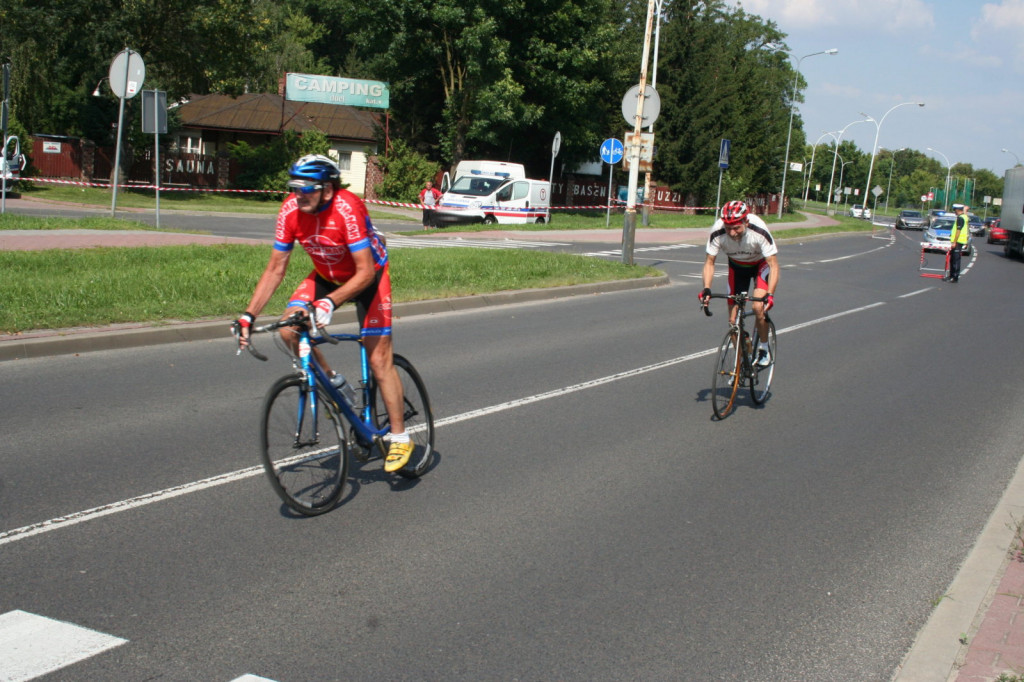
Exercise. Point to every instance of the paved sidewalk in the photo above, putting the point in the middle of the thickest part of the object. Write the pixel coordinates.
(998, 645)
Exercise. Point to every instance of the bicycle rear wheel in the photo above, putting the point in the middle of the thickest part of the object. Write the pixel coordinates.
(303, 447)
(761, 377)
(727, 377)
(419, 420)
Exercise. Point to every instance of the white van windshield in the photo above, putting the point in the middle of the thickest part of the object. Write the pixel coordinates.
(475, 186)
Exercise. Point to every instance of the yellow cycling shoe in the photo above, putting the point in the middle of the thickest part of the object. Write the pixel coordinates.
(398, 456)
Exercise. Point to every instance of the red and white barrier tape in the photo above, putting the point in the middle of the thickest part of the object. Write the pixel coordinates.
(400, 204)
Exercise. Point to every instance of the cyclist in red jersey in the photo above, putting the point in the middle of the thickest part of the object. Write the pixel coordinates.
(752, 253)
(350, 263)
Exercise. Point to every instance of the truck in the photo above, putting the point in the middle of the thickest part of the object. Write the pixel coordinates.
(492, 192)
(1012, 215)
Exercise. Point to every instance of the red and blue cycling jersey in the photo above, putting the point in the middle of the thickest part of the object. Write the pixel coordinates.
(331, 235)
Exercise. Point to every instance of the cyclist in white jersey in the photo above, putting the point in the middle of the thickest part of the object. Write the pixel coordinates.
(752, 253)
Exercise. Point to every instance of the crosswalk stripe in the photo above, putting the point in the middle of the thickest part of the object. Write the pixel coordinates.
(35, 645)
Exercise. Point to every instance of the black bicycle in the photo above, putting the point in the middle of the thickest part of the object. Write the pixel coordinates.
(736, 361)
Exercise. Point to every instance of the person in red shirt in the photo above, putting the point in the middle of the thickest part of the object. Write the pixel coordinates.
(430, 197)
(350, 262)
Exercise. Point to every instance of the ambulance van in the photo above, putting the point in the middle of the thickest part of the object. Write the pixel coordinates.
(493, 192)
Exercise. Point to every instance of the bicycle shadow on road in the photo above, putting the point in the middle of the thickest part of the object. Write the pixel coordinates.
(744, 401)
(370, 472)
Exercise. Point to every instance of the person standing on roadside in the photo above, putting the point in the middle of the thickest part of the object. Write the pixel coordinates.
(429, 197)
(957, 241)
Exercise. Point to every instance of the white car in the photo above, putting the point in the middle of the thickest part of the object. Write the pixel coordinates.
(859, 211)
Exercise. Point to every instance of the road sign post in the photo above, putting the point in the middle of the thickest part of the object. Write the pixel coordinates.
(126, 76)
(723, 165)
(640, 107)
(154, 120)
(556, 144)
(611, 153)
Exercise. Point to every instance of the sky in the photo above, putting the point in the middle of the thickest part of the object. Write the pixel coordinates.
(963, 58)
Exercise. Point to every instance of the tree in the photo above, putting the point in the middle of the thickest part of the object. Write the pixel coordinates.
(717, 80)
(492, 80)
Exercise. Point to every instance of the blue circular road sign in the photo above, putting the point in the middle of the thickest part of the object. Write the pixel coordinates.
(611, 150)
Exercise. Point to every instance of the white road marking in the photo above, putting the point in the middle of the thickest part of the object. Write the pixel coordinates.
(458, 242)
(645, 249)
(35, 645)
(15, 534)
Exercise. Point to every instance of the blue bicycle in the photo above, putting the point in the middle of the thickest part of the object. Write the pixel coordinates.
(310, 426)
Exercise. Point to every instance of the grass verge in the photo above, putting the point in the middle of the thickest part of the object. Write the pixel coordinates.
(268, 203)
(11, 221)
(61, 288)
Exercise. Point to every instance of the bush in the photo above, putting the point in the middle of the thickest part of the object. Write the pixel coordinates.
(405, 171)
(266, 167)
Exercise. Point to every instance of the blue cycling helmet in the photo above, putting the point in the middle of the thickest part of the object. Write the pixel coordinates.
(317, 168)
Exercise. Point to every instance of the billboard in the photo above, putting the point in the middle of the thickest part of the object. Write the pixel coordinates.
(302, 87)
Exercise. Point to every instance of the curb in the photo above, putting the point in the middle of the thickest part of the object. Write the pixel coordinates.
(85, 340)
(938, 651)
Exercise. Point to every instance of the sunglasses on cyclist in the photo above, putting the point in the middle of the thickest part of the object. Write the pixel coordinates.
(304, 186)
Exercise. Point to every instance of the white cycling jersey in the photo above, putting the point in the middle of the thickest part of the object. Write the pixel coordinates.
(756, 244)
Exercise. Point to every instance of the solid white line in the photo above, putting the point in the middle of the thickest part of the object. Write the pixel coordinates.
(501, 407)
(34, 645)
(811, 323)
(158, 496)
(855, 255)
(124, 505)
(915, 293)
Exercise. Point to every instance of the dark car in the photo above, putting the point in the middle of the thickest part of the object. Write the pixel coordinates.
(975, 225)
(911, 220)
(996, 234)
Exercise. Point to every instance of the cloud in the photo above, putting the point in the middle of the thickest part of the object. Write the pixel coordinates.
(890, 16)
(997, 30)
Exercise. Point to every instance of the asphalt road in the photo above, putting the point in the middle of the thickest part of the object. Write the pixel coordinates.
(587, 519)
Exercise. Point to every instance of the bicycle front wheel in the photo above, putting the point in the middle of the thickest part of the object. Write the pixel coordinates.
(419, 420)
(303, 447)
(761, 378)
(727, 378)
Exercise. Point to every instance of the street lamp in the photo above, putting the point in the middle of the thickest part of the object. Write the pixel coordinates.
(1017, 158)
(654, 84)
(874, 150)
(792, 108)
(810, 169)
(842, 170)
(889, 188)
(839, 138)
(96, 91)
(945, 192)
